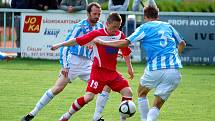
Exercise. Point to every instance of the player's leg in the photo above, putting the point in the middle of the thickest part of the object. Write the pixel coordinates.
(126, 93)
(84, 74)
(47, 97)
(148, 81)
(93, 87)
(77, 105)
(143, 103)
(120, 84)
(155, 109)
(168, 82)
(101, 102)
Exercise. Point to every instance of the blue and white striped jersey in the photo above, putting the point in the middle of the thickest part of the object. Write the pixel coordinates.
(78, 29)
(159, 40)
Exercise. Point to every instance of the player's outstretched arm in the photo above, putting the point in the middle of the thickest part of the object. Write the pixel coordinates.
(129, 65)
(70, 42)
(115, 43)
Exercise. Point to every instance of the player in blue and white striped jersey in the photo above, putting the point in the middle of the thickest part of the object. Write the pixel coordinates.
(76, 62)
(83, 27)
(162, 44)
(159, 40)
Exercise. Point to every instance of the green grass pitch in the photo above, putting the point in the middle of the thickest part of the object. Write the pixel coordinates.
(23, 81)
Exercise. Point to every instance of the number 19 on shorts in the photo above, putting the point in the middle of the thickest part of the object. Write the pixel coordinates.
(94, 84)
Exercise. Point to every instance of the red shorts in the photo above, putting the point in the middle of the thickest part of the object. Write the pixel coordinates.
(100, 77)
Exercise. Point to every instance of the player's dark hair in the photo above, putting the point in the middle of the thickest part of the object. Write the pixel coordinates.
(151, 12)
(114, 17)
(89, 7)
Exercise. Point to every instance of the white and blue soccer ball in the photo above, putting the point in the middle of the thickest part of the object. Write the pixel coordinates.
(127, 108)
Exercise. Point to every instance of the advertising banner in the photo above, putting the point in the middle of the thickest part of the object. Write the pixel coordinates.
(199, 33)
(40, 30)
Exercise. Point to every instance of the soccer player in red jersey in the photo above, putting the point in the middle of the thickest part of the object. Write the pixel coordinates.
(104, 64)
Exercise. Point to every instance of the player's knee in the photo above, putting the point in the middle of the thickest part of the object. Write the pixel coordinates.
(107, 89)
(142, 91)
(129, 91)
(141, 94)
(126, 91)
(88, 97)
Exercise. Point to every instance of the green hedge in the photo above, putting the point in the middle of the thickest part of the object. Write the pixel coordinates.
(186, 6)
(174, 6)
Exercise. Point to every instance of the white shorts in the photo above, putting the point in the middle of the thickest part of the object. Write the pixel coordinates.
(79, 67)
(164, 81)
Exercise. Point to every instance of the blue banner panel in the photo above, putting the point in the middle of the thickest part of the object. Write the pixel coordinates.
(198, 31)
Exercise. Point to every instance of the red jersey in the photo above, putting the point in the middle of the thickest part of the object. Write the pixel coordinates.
(104, 56)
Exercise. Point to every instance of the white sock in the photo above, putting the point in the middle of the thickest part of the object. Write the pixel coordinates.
(143, 106)
(45, 99)
(153, 114)
(67, 115)
(71, 110)
(100, 104)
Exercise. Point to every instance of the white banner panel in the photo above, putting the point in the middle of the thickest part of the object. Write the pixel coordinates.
(40, 30)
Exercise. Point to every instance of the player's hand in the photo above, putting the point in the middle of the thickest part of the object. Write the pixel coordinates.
(54, 47)
(131, 73)
(65, 72)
